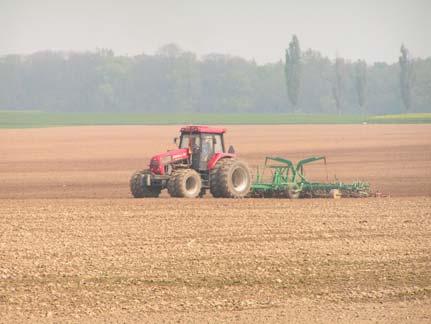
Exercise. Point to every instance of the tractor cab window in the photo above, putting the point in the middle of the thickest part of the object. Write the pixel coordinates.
(211, 143)
(208, 143)
(186, 140)
(195, 141)
(218, 145)
(207, 147)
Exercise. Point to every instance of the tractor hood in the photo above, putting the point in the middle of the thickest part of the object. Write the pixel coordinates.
(159, 161)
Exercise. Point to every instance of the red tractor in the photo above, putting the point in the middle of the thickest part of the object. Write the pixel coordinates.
(200, 163)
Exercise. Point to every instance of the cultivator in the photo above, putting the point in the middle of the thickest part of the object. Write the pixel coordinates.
(288, 180)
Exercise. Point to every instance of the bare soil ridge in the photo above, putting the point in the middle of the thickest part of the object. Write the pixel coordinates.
(85, 258)
(75, 247)
(96, 162)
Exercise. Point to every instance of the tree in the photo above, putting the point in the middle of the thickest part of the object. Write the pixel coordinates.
(170, 51)
(338, 84)
(293, 71)
(177, 81)
(361, 83)
(315, 89)
(406, 77)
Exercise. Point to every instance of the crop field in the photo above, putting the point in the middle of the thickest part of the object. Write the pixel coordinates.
(75, 247)
(34, 119)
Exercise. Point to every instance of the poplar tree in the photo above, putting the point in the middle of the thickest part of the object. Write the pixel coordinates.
(361, 83)
(406, 77)
(338, 84)
(293, 71)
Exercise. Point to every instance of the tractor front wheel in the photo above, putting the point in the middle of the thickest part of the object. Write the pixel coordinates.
(230, 178)
(139, 189)
(185, 183)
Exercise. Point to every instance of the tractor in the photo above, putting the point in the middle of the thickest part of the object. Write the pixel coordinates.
(199, 163)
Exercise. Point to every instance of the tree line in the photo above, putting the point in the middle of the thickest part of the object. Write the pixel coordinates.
(339, 80)
(177, 81)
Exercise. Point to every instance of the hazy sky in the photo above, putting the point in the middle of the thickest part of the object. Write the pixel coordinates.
(255, 29)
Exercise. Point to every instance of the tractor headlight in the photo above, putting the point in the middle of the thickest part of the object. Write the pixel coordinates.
(154, 163)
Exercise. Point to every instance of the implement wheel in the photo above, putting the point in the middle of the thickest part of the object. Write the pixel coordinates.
(185, 183)
(230, 178)
(293, 192)
(139, 189)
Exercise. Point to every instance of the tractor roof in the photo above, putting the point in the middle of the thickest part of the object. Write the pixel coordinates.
(203, 129)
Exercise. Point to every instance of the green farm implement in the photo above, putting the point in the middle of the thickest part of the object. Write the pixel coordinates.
(288, 180)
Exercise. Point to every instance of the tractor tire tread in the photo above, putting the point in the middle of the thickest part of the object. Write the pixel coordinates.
(175, 184)
(219, 182)
(140, 191)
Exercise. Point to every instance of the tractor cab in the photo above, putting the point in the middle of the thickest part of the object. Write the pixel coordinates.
(203, 142)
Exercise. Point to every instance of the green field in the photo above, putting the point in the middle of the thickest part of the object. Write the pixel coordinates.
(34, 119)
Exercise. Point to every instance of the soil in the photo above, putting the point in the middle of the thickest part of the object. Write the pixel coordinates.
(75, 247)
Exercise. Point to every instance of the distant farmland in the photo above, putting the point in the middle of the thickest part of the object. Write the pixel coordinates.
(36, 119)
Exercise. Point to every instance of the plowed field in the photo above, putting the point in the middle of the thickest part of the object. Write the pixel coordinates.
(75, 247)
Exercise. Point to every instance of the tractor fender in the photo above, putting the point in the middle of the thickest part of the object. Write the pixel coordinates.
(218, 156)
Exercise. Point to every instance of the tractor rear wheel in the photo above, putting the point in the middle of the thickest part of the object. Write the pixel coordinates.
(230, 178)
(185, 183)
(139, 189)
